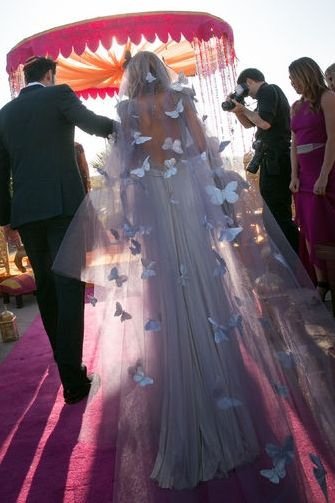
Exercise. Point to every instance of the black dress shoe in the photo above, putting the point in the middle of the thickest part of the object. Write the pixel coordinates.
(72, 396)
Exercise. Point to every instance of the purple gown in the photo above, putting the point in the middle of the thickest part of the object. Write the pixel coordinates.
(315, 214)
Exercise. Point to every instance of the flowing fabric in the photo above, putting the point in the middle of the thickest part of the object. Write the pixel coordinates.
(314, 213)
(214, 383)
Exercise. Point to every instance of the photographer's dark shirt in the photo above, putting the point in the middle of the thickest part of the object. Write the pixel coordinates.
(273, 107)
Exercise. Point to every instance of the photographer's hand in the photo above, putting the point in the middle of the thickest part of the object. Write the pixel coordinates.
(253, 117)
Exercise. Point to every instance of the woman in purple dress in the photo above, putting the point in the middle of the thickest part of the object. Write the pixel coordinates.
(312, 159)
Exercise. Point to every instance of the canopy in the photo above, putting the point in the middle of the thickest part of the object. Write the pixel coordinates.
(90, 53)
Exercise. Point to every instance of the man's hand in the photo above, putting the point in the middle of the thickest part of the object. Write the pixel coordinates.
(239, 108)
(12, 236)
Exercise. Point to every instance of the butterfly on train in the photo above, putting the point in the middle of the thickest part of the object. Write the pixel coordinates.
(170, 144)
(276, 473)
(140, 172)
(120, 312)
(171, 169)
(139, 139)
(152, 326)
(115, 276)
(139, 376)
(148, 269)
(278, 453)
(219, 196)
(174, 114)
(135, 247)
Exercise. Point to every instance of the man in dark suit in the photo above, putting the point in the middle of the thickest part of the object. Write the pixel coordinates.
(37, 157)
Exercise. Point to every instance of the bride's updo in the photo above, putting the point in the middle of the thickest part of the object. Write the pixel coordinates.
(145, 73)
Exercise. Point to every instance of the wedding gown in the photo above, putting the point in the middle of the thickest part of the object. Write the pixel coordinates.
(213, 387)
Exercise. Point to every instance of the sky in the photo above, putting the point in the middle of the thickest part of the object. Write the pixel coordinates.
(268, 34)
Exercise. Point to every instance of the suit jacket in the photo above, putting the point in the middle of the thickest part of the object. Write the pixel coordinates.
(37, 151)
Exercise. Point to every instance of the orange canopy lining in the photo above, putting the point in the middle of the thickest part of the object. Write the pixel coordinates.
(90, 53)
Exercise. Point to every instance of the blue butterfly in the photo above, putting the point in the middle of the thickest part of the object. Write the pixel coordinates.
(114, 276)
(276, 473)
(139, 139)
(220, 332)
(120, 312)
(229, 234)
(129, 230)
(171, 170)
(319, 473)
(218, 196)
(152, 326)
(148, 269)
(227, 402)
(139, 376)
(170, 144)
(235, 321)
(93, 300)
(285, 453)
(135, 247)
(140, 172)
(174, 114)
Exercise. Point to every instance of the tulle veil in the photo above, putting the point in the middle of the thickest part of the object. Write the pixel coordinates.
(215, 375)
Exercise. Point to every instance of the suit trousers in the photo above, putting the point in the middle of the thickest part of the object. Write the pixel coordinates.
(60, 299)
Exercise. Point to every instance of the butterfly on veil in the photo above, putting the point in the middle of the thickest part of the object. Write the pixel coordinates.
(150, 78)
(229, 233)
(276, 473)
(218, 196)
(320, 473)
(170, 144)
(221, 269)
(152, 326)
(120, 312)
(92, 300)
(114, 276)
(220, 331)
(171, 169)
(148, 269)
(138, 375)
(135, 247)
(139, 139)
(223, 145)
(284, 453)
(174, 114)
(183, 277)
(180, 82)
(140, 172)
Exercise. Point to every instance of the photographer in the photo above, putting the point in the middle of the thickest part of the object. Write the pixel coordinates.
(272, 146)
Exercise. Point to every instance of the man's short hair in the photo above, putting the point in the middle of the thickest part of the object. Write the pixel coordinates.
(36, 67)
(250, 73)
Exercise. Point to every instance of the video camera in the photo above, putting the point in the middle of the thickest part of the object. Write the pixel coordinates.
(241, 91)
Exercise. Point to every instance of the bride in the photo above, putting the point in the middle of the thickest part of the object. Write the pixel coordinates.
(212, 386)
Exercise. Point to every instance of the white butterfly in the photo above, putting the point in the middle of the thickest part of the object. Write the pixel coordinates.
(229, 234)
(203, 156)
(218, 196)
(178, 85)
(150, 78)
(152, 326)
(171, 170)
(114, 276)
(275, 474)
(220, 332)
(170, 144)
(120, 312)
(140, 172)
(148, 269)
(138, 138)
(183, 275)
(174, 114)
(227, 402)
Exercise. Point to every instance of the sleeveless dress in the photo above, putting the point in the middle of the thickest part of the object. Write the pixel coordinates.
(315, 214)
(211, 385)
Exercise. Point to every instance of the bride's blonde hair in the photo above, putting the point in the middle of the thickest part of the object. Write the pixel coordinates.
(145, 73)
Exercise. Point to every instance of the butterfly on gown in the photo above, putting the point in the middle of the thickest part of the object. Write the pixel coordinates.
(115, 276)
(174, 114)
(92, 300)
(140, 172)
(139, 139)
(139, 376)
(228, 193)
(119, 311)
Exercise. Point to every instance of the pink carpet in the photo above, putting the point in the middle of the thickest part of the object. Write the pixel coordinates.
(40, 458)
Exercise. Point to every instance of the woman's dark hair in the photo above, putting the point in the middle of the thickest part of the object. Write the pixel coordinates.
(250, 73)
(36, 67)
(309, 75)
